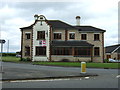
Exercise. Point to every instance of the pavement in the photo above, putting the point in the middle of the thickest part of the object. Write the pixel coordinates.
(14, 73)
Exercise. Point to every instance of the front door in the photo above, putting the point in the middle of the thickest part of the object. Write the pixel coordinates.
(108, 56)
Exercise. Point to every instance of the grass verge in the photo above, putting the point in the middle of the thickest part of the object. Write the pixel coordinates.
(10, 59)
(77, 64)
(67, 64)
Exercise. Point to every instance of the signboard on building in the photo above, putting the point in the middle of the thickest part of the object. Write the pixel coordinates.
(2, 41)
(42, 43)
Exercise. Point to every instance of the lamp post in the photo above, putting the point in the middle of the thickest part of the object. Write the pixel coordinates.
(2, 42)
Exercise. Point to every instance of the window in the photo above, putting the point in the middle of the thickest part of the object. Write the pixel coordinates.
(83, 36)
(96, 37)
(57, 35)
(27, 51)
(40, 34)
(40, 51)
(62, 51)
(71, 35)
(96, 51)
(27, 35)
(84, 51)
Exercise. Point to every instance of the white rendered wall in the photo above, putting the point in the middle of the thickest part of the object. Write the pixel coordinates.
(38, 27)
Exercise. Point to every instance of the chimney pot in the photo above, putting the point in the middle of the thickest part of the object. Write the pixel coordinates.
(78, 20)
(36, 16)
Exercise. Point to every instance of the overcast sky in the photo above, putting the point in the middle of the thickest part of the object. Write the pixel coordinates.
(98, 13)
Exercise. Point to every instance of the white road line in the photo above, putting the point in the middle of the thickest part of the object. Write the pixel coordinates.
(36, 80)
(118, 76)
(87, 77)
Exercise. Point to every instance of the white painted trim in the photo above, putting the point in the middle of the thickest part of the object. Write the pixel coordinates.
(27, 32)
(96, 33)
(83, 33)
(71, 32)
(57, 32)
(108, 53)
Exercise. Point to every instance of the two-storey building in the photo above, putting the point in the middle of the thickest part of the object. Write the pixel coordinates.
(55, 40)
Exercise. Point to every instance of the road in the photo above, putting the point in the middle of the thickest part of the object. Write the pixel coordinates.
(108, 78)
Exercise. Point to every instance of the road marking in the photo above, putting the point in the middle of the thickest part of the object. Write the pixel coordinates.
(118, 76)
(87, 77)
(36, 80)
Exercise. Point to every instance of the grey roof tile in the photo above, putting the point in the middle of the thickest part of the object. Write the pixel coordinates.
(57, 24)
(110, 49)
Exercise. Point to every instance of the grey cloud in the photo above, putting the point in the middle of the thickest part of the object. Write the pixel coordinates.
(65, 11)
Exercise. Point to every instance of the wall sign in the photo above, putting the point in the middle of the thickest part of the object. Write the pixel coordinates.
(42, 43)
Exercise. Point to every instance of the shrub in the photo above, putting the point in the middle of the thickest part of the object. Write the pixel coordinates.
(8, 54)
(65, 60)
(25, 59)
(106, 60)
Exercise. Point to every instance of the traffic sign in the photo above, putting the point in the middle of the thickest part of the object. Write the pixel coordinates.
(2, 41)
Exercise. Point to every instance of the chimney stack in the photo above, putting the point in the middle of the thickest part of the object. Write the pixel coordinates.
(77, 20)
(36, 17)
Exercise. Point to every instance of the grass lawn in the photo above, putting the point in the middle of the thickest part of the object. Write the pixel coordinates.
(10, 59)
(68, 64)
(77, 64)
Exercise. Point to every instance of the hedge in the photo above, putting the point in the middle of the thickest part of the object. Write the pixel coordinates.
(8, 54)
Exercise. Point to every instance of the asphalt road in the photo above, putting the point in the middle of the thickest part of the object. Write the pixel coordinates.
(108, 78)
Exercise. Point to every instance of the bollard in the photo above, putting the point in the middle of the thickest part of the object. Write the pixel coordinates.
(83, 67)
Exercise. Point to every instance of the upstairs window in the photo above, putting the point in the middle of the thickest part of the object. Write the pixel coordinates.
(27, 35)
(96, 37)
(96, 51)
(83, 36)
(40, 34)
(57, 35)
(72, 35)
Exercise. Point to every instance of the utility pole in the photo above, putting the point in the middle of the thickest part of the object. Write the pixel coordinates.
(2, 42)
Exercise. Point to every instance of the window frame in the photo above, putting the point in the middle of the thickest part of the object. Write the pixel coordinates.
(79, 51)
(61, 51)
(40, 35)
(96, 38)
(59, 37)
(27, 35)
(70, 35)
(96, 51)
(83, 37)
(40, 52)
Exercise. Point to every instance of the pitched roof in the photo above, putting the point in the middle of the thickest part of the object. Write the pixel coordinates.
(60, 24)
(89, 29)
(57, 24)
(113, 48)
(71, 44)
